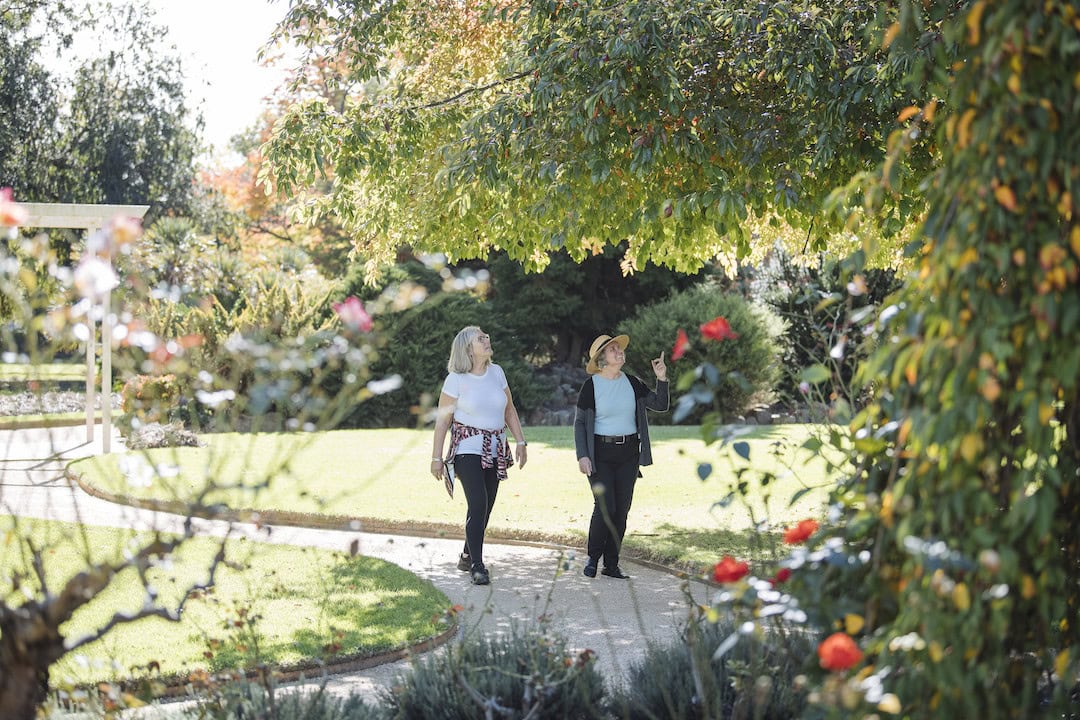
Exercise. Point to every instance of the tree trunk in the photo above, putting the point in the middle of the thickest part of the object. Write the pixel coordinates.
(24, 671)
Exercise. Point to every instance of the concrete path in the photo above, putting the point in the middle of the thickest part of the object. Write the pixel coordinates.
(614, 618)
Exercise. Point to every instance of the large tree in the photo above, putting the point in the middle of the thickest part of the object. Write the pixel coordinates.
(553, 125)
(119, 129)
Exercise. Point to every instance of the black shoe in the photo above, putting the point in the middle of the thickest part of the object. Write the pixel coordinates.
(615, 572)
(590, 569)
(480, 575)
(464, 563)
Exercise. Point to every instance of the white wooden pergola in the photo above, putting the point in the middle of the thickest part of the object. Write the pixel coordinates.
(89, 218)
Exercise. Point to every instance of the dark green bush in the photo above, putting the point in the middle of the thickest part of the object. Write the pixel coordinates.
(417, 349)
(819, 312)
(662, 685)
(526, 673)
(747, 365)
(557, 313)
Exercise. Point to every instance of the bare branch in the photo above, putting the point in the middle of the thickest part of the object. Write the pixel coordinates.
(148, 610)
(470, 91)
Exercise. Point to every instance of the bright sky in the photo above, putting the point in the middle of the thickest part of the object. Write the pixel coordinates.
(219, 41)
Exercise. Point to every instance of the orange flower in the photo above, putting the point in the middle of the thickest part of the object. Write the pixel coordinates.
(718, 329)
(799, 533)
(839, 652)
(681, 343)
(729, 570)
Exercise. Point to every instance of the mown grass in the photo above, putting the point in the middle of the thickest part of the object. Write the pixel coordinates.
(272, 603)
(382, 476)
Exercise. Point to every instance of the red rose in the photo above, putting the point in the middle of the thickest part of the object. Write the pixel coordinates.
(782, 576)
(718, 329)
(729, 570)
(681, 343)
(839, 652)
(799, 533)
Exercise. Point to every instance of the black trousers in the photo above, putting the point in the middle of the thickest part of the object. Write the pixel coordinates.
(481, 485)
(612, 481)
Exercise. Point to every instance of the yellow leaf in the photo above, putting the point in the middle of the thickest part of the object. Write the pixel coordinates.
(1046, 412)
(967, 257)
(970, 447)
(930, 110)
(1065, 205)
(991, 389)
(1074, 240)
(973, 21)
(853, 623)
(963, 129)
(961, 597)
(890, 35)
(889, 703)
(1005, 197)
(1027, 587)
(1013, 83)
(936, 651)
(908, 112)
(911, 373)
(1061, 663)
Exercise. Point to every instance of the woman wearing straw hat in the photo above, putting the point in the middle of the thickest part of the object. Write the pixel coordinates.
(476, 407)
(611, 433)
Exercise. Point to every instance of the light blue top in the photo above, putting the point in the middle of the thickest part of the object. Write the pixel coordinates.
(614, 406)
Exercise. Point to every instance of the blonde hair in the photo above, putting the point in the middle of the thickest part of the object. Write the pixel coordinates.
(461, 358)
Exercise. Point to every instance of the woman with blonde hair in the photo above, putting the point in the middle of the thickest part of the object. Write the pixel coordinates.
(476, 407)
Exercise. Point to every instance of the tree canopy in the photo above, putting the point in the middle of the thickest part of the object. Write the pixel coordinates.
(678, 128)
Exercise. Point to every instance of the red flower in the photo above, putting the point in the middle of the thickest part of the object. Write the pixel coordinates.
(681, 343)
(782, 576)
(729, 570)
(718, 329)
(839, 652)
(353, 315)
(799, 533)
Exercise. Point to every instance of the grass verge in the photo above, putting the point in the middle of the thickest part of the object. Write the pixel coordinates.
(274, 604)
(381, 478)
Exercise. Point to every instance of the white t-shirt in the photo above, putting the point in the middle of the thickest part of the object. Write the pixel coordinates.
(481, 403)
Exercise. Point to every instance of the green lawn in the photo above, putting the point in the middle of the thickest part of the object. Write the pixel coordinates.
(289, 602)
(382, 475)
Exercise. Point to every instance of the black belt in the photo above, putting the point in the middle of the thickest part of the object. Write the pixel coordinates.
(616, 439)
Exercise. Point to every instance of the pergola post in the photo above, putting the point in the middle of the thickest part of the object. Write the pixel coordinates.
(90, 218)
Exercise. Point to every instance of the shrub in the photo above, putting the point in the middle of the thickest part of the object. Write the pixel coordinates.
(147, 399)
(245, 700)
(527, 674)
(662, 685)
(823, 306)
(417, 349)
(747, 365)
(557, 313)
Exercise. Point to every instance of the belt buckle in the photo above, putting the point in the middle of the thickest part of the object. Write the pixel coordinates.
(621, 440)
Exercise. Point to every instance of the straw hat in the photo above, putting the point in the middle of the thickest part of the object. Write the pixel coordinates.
(597, 350)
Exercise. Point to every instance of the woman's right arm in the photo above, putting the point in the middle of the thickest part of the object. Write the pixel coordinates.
(443, 417)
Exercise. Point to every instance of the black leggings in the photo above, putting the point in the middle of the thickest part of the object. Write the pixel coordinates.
(615, 475)
(481, 485)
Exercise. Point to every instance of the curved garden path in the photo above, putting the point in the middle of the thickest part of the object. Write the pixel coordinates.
(614, 618)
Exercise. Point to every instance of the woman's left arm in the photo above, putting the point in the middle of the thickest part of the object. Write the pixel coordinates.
(514, 423)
